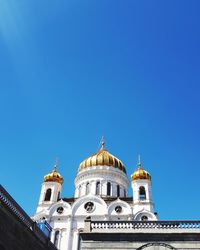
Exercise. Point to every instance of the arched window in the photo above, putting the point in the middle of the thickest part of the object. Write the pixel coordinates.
(124, 192)
(142, 193)
(108, 189)
(56, 238)
(87, 188)
(144, 217)
(98, 188)
(118, 191)
(48, 195)
(58, 196)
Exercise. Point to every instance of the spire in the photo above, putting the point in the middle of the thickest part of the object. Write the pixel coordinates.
(102, 142)
(139, 162)
(56, 165)
(54, 176)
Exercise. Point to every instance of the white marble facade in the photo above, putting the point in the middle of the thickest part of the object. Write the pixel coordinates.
(100, 193)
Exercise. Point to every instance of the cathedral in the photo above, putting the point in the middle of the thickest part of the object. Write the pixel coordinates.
(102, 216)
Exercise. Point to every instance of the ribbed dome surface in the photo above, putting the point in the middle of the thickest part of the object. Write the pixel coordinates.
(140, 174)
(102, 158)
(54, 176)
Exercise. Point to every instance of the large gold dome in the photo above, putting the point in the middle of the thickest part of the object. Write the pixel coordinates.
(54, 176)
(102, 158)
(140, 173)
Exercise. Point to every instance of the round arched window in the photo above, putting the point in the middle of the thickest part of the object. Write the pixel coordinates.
(144, 217)
(118, 209)
(60, 210)
(89, 206)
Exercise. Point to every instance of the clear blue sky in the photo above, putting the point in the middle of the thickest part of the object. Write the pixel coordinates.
(72, 70)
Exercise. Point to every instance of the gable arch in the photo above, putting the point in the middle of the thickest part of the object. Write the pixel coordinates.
(61, 203)
(78, 206)
(144, 212)
(162, 246)
(126, 209)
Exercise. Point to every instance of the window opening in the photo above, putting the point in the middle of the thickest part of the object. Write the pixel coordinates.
(108, 188)
(142, 193)
(118, 191)
(56, 238)
(48, 195)
(87, 188)
(98, 188)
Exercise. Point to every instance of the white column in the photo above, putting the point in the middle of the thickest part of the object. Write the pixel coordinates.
(113, 189)
(42, 194)
(76, 192)
(75, 239)
(93, 187)
(83, 189)
(52, 236)
(53, 194)
(104, 188)
(69, 234)
(121, 191)
(59, 239)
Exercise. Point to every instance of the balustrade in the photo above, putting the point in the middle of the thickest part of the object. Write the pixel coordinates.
(183, 225)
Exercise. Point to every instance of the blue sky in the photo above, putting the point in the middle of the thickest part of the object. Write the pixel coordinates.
(71, 71)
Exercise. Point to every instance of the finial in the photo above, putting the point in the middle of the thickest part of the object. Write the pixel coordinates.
(56, 164)
(139, 162)
(102, 142)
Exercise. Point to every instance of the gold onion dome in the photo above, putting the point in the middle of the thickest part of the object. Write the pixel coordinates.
(54, 176)
(102, 158)
(140, 173)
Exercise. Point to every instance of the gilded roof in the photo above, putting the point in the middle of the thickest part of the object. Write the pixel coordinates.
(102, 158)
(140, 174)
(54, 176)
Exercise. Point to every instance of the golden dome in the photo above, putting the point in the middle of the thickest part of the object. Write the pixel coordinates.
(140, 173)
(102, 158)
(54, 176)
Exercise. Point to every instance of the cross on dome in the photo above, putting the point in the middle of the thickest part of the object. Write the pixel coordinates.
(102, 142)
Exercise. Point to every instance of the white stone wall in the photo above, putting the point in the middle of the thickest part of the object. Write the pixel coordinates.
(71, 221)
(55, 187)
(102, 174)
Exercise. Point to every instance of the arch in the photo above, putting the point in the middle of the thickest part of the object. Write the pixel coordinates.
(98, 188)
(84, 199)
(56, 238)
(87, 188)
(156, 244)
(48, 195)
(148, 214)
(108, 188)
(142, 193)
(53, 209)
(126, 209)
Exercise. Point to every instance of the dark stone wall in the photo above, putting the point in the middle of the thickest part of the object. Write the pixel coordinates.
(14, 235)
(139, 241)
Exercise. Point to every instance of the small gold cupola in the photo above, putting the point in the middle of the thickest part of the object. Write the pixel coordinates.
(54, 176)
(140, 173)
(102, 158)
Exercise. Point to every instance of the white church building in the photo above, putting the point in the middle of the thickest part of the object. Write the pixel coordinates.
(100, 207)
